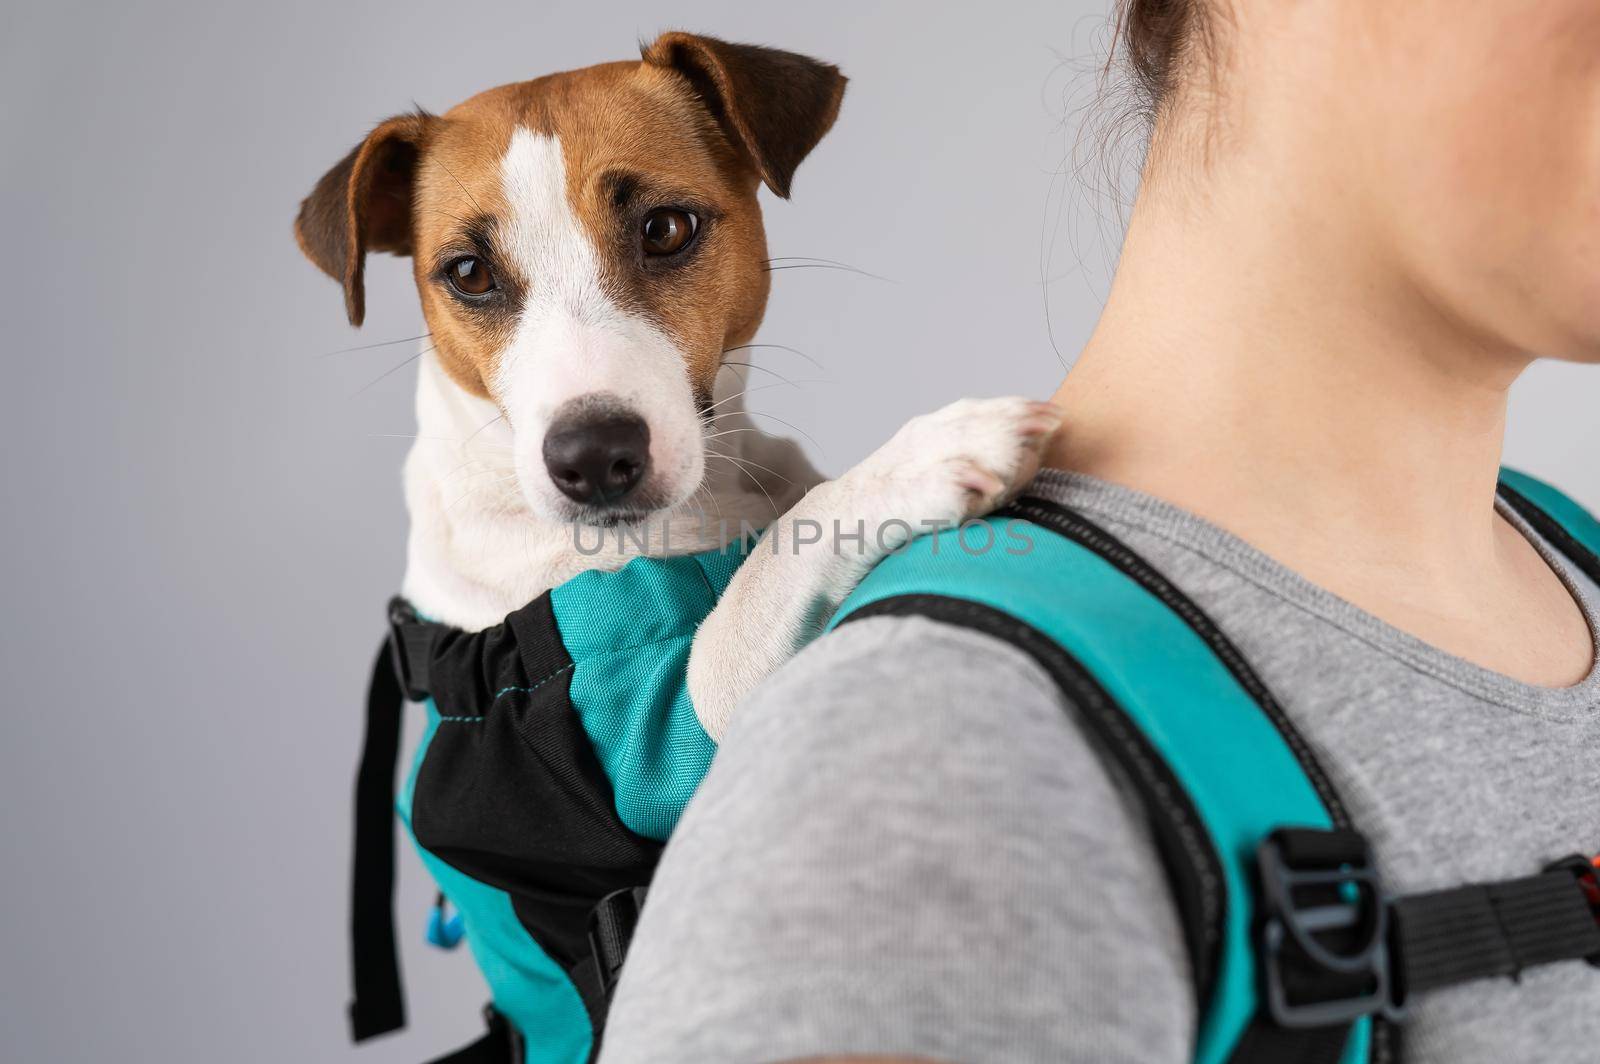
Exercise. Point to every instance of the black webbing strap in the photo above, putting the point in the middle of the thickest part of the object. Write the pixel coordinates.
(611, 927)
(1492, 929)
(1267, 1043)
(411, 649)
(377, 1004)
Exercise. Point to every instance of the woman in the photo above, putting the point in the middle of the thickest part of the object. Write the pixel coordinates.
(1359, 222)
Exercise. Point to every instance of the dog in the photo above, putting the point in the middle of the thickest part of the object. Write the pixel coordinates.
(587, 247)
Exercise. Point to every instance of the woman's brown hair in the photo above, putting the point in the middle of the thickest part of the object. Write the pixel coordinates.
(1157, 38)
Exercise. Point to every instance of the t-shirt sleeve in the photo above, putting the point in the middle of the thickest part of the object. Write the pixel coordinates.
(906, 847)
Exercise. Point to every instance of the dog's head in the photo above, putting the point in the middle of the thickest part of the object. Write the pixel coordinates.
(586, 246)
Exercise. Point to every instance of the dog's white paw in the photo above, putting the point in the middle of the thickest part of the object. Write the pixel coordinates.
(956, 463)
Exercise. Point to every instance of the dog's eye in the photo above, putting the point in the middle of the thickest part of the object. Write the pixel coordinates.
(470, 277)
(667, 231)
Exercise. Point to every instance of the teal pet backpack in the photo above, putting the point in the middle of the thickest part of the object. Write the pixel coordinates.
(561, 748)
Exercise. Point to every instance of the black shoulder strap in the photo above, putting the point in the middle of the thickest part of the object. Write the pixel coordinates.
(1265, 1041)
(377, 1004)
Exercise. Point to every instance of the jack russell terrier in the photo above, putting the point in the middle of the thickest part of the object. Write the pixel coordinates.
(587, 247)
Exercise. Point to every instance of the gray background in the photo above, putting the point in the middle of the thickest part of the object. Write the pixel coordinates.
(202, 516)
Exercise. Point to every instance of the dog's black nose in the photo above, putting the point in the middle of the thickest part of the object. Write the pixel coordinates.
(597, 458)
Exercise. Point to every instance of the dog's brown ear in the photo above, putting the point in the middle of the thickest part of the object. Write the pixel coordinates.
(774, 106)
(364, 204)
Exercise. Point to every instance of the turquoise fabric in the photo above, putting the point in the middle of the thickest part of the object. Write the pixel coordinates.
(1242, 777)
(1578, 522)
(628, 633)
(529, 988)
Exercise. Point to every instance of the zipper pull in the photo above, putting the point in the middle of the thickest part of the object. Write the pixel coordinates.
(445, 927)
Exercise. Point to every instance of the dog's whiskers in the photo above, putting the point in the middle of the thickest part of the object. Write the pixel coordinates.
(762, 413)
(811, 258)
(479, 467)
(757, 465)
(391, 371)
(775, 347)
(478, 489)
(706, 487)
(785, 383)
(728, 432)
(828, 266)
(753, 478)
(374, 347)
(483, 465)
(724, 399)
(498, 417)
(764, 369)
(699, 507)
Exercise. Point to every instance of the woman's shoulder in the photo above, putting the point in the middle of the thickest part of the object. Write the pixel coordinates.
(919, 789)
(860, 667)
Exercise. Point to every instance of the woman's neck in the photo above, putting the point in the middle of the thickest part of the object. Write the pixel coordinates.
(1262, 364)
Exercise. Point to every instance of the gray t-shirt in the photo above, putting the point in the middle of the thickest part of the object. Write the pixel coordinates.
(906, 847)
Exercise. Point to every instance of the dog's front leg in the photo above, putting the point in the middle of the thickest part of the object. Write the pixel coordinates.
(938, 470)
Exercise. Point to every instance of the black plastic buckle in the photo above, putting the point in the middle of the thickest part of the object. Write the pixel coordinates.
(1347, 898)
(1587, 871)
(401, 618)
(611, 925)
